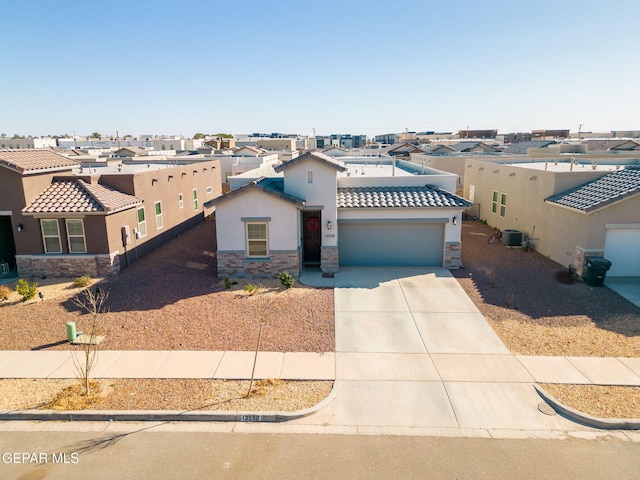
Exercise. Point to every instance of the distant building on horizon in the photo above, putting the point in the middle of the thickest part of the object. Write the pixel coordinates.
(478, 133)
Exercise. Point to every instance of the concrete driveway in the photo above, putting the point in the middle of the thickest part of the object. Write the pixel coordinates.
(627, 287)
(412, 350)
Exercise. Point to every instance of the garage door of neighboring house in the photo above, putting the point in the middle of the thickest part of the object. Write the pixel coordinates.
(388, 244)
(622, 248)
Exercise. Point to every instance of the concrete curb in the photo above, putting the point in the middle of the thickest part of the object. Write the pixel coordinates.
(584, 419)
(165, 415)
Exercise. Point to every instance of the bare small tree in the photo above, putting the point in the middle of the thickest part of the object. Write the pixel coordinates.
(263, 308)
(92, 302)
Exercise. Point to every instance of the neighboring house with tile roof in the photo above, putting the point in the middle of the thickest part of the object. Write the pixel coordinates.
(402, 150)
(568, 209)
(58, 219)
(316, 210)
(522, 147)
(474, 147)
(131, 152)
(611, 145)
(439, 149)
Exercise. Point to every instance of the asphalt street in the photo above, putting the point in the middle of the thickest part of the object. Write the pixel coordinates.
(213, 455)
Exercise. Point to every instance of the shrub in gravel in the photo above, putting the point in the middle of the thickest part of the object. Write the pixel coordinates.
(286, 279)
(4, 291)
(26, 290)
(228, 283)
(251, 289)
(80, 282)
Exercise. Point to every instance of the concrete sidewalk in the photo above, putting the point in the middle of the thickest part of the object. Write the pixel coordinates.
(170, 364)
(384, 366)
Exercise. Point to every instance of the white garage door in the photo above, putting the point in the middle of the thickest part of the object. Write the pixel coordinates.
(389, 244)
(622, 248)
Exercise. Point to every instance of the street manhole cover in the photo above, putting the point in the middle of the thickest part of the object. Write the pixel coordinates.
(546, 408)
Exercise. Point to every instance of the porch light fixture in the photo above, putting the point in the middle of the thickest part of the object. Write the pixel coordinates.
(329, 224)
(19, 227)
(455, 220)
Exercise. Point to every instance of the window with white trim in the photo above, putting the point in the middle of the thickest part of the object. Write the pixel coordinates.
(180, 200)
(142, 223)
(75, 235)
(208, 190)
(257, 239)
(51, 236)
(195, 199)
(494, 202)
(503, 204)
(158, 208)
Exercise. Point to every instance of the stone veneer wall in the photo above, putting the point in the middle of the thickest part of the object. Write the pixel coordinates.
(235, 264)
(452, 255)
(329, 260)
(579, 261)
(74, 265)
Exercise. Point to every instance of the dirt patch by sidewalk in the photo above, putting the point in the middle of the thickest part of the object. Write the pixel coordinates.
(171, 299)
(535, 310)
(598, 401)
(168, 394)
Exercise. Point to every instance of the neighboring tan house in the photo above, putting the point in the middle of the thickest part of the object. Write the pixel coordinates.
(22, 143)
(601, 218)
(322, 211)
(277, 143)
(131, 152)
(57, 221)
(534, 199)
(249, 151)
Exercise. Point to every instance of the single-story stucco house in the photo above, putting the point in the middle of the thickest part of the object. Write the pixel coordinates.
(319, 210)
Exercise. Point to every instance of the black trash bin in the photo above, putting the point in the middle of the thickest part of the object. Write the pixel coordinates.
(596, 271)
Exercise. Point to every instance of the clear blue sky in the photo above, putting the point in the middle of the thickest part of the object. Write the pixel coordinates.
(339, 66)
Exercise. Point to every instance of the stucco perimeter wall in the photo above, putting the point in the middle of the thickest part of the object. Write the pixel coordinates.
(70, 266)
(235, 264)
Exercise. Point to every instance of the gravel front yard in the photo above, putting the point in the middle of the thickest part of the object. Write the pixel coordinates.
(175, 394)
(524, 299)
(533, 312)
(171, 299)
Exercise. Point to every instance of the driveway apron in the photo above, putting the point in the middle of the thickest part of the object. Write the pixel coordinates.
(412, 350)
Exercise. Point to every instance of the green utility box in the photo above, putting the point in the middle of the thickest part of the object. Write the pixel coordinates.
(596, 271)
(71, 331)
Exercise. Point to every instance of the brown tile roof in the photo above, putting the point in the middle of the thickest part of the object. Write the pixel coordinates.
(33, 161)
(77, 196)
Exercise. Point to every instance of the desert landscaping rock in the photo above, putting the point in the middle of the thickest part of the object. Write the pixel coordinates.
(160, 303)
(535, 314)
(172, 394)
